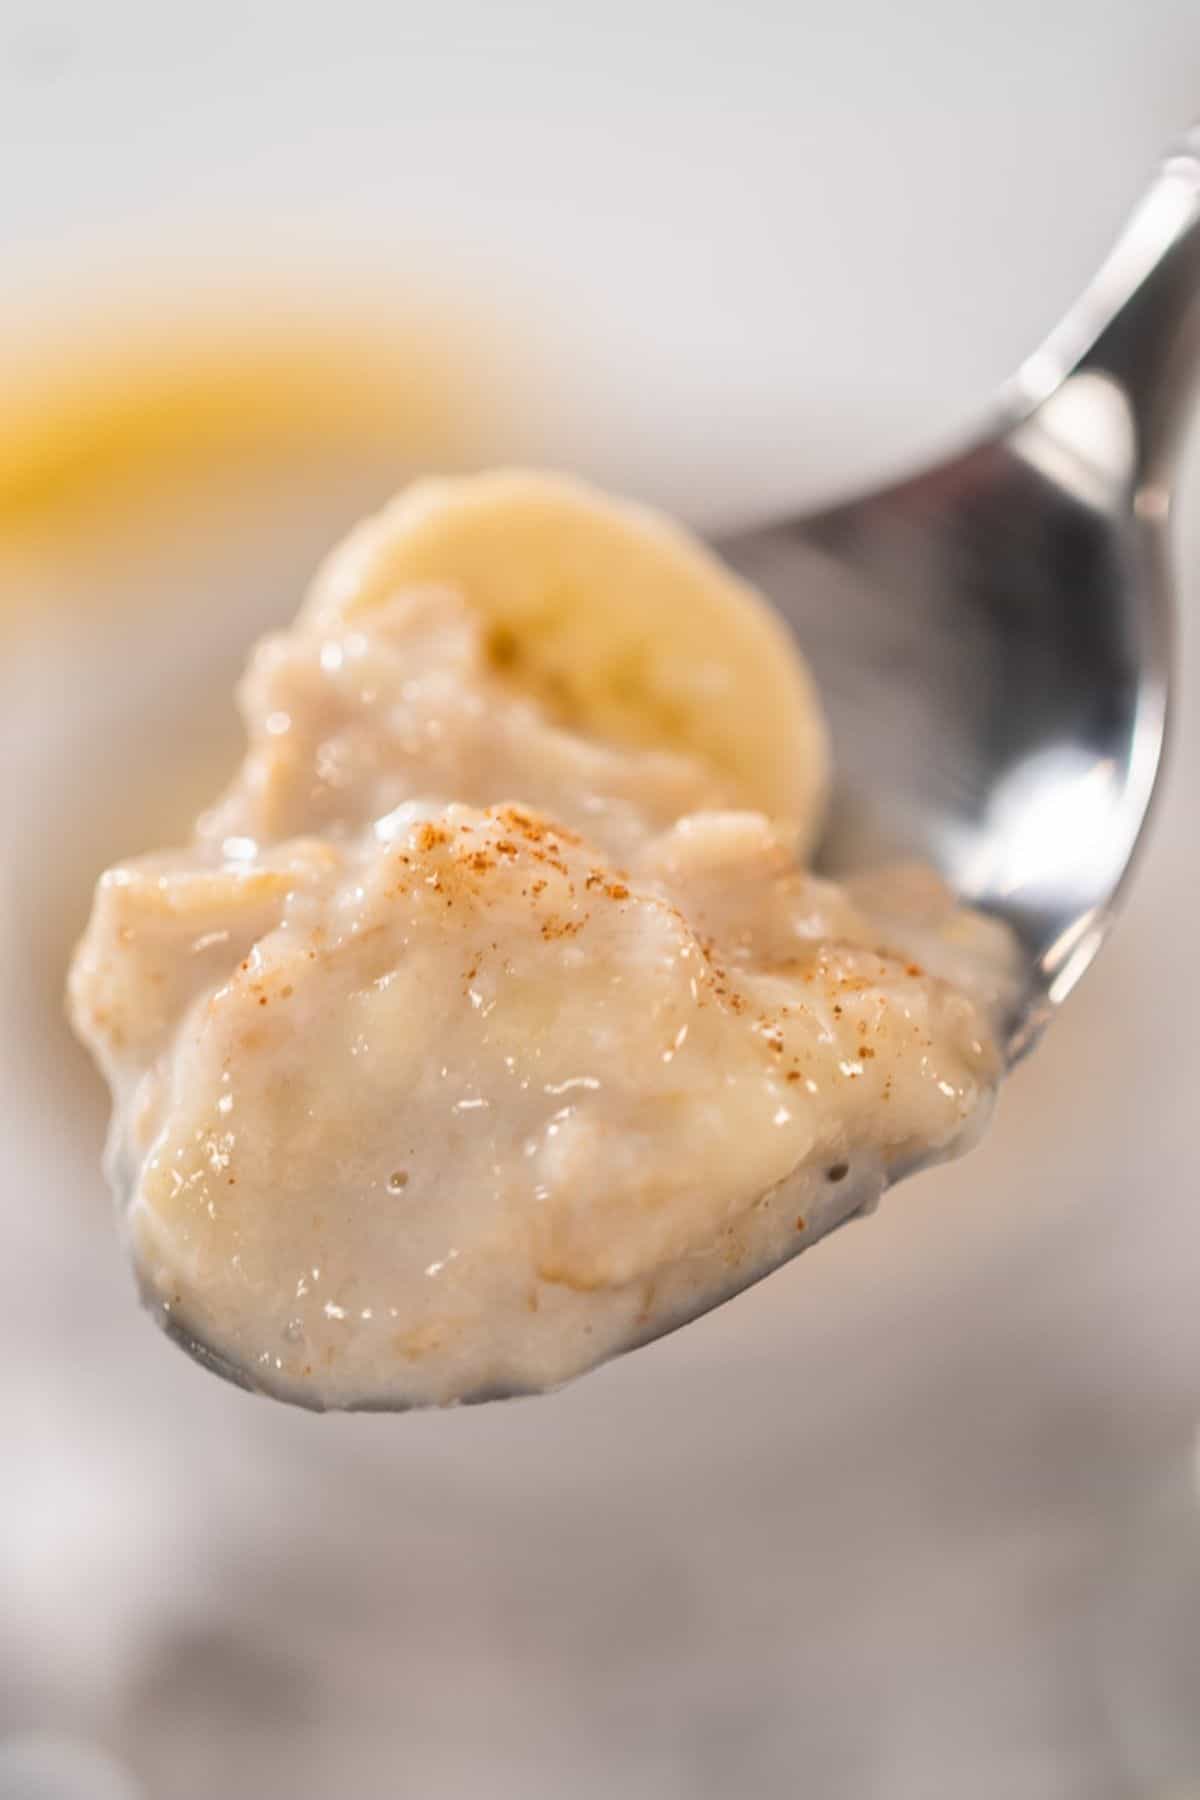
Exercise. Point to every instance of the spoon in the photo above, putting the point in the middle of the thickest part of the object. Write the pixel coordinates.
(992, 636)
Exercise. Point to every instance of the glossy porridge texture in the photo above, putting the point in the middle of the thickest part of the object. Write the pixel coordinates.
(491, 1023)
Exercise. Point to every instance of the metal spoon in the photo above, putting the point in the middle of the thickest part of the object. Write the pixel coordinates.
(992, 636)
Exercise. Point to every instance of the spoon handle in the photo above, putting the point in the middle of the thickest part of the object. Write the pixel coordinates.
(1138, 321)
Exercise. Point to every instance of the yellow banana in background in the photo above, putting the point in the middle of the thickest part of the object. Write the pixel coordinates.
(100, 422)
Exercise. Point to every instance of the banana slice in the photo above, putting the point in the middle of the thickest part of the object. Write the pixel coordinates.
(623, 624)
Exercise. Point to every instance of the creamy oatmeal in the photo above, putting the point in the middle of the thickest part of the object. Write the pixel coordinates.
(490, 1023)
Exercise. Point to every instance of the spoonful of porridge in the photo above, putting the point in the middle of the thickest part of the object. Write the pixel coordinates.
(495, 1021)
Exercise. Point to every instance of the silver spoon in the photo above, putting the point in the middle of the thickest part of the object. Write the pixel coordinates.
(992, 636)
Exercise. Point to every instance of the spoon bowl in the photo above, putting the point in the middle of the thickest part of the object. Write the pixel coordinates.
(992, 636)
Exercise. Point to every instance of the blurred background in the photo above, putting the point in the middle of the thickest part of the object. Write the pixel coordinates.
(917, 1517)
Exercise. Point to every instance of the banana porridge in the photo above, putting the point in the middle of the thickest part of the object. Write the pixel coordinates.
(491, 1022)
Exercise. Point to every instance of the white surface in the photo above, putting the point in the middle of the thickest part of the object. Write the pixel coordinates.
(863, 1533)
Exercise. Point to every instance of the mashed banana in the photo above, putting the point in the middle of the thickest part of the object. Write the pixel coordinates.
(478, 1035)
